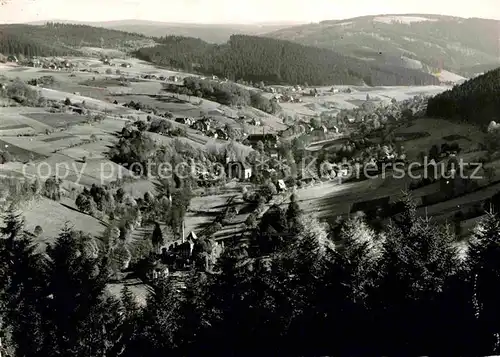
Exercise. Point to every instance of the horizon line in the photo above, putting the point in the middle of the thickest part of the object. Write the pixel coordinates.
(263, 23)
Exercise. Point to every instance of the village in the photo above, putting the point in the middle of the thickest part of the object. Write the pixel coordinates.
(252, 160)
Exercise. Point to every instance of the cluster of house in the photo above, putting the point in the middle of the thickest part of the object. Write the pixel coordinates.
(53, 64)
(178, 256)
(205, 126)
(285, 98)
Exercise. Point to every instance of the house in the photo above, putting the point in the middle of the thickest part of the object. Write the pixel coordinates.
(334, 90)
(186, 121)
(281, 186)
(211, 134)
(215, 78)
(271, 140)
(202, 125)
(35, 63)
(255, 122)
(221, 134)
(174, 79)
(76, 110)
(238, 169)
(158, 271)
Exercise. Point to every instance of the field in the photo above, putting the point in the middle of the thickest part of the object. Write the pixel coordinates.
(333, 103)
(62, 141)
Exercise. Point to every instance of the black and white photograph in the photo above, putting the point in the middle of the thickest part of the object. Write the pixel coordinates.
(249, 178)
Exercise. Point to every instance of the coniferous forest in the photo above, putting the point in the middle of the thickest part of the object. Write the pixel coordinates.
(475, 101)
(56, 39)
(294, 288)
(254, 58)
(243, 57)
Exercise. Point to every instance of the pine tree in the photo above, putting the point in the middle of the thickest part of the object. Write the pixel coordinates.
(79, 318)
(21, 287)
(293, 212)
(484, 264)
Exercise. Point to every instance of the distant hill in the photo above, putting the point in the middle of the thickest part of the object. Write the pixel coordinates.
(456, 44)
(213, 33)
(54, 39)
(475, 101)
(253, 58)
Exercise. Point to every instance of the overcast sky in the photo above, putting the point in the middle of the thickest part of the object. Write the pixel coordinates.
(235, 11)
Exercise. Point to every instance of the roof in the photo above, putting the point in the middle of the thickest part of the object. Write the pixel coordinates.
(244, 164)
(262, 137)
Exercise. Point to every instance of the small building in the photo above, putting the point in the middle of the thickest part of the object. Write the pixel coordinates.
(271, 140)
(186, 120)
(76, 109)
(211, 134)
(239, 170)
(174, 79)
(255, 122)
(281, 186)
(221, 134)
(202, 125)
(159, 271)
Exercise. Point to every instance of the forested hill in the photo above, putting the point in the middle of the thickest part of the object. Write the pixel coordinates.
(54, 39)
(476, 101)
(276, 61)
(453, 43)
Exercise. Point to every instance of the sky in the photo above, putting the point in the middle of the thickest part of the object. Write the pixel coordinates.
(234, 11)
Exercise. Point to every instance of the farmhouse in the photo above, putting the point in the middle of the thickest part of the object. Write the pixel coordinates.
(186, 121)
(281, 186)
(221, 134)
(255, 122)
(202, 125)
(239, 170)
(270, 140)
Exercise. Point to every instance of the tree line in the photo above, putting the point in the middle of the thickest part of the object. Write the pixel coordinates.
(57, 39)
(475, 101)
(290, 287)
(226, 93)
(257, 59)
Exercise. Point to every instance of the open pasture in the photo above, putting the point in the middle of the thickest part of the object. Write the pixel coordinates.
(53, 216)
(58, 120)
(434, 132)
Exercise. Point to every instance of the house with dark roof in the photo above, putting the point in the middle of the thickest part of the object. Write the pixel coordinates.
(239, 170)
(202, 125)
(270, 140)
(186, 121)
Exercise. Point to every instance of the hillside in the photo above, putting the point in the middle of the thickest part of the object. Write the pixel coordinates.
(54, 39)
(213, 33)
(275, 61)
(435, 41)
(476, 101)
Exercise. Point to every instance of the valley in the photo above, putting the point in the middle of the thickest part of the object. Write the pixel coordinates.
(239, 193)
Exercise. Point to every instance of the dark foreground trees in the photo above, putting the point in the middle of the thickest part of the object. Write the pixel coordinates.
(404, 290)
